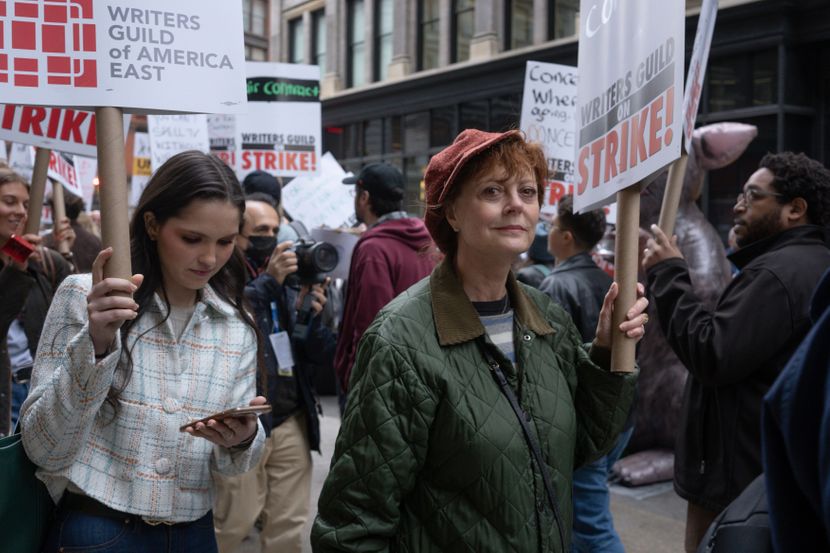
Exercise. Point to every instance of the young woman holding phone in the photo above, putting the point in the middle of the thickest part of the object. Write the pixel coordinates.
(123, 364)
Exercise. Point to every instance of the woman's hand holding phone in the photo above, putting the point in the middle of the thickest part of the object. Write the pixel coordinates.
(229, 431)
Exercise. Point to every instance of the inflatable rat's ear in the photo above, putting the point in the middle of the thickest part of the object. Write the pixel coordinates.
(720, 144)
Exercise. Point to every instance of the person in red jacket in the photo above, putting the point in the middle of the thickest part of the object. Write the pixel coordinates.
(394, 253)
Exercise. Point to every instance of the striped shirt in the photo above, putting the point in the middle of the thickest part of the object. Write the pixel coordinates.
(138, 462)
(500, 330)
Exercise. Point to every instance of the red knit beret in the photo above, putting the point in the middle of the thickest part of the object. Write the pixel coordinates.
(445, 166)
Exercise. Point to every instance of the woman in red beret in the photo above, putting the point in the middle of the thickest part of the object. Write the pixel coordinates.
(473, 397)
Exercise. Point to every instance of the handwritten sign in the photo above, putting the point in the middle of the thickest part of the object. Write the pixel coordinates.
(549, 118)
(321, 200)
(171, 134)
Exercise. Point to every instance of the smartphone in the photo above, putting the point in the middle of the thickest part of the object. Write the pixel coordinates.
(17, 248)
(235, 412)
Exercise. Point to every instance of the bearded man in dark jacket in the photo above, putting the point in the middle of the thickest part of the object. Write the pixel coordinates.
(735, 352)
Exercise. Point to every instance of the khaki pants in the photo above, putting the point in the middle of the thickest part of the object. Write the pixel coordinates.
(698, 520)
(279, 487)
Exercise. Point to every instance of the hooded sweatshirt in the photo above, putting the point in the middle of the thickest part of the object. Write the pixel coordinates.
(389, 258)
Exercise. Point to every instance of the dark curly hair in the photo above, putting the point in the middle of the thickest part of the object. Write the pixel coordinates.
(587, 228)
(798, 176)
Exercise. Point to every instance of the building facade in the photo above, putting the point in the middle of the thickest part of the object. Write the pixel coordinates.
(400, 78)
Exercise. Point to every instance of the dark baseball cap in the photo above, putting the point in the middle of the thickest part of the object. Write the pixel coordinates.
(380, 179)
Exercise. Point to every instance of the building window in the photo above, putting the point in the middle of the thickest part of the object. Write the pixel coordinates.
(428, 20)
(318, 39)
(255, 53)
(563, 16)
(254, 15)
(746, 80)
(357, 44)
(519, 23)
(255, 24)
(463, 26)
(384, 22)
(295, 41)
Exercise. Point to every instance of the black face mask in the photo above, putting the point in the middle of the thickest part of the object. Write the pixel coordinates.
(260, 248)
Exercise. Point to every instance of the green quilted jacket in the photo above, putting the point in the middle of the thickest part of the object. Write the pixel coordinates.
(430, 455)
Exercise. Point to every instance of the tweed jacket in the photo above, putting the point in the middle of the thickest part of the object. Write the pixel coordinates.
(431, 457)
(136, 460)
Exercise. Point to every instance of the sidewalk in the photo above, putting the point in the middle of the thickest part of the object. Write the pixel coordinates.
(649, 519)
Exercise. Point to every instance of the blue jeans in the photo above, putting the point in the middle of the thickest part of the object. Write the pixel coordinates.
(80, 532)
(593, 525)
(19, 394)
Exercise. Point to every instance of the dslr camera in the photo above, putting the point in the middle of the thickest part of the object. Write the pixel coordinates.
(314, 260)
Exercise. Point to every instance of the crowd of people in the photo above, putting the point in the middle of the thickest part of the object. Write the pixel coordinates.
(480, 412)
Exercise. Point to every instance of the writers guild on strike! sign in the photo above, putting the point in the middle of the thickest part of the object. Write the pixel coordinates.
(639, 120)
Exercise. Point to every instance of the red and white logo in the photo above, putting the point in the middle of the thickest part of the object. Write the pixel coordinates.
(47, 42)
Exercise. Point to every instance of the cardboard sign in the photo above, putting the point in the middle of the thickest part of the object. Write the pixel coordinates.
(151, 55)
(66, 130)
(281, 133)
(141, 166)
(22, 160)
(321, 200)
(171, 134)
(630, 83)
(549, 118)
(87, 171)
(62, 169)
(222, 137)
(697, 67)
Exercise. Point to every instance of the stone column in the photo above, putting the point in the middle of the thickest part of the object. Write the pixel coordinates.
(401, 54)
(485, 42)
(540, 21)
(335, 68)
(308, 36)
(445, 27)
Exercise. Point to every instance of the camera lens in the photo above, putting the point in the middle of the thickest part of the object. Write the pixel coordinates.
(324, 257)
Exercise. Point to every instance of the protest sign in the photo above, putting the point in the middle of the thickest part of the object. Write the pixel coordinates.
(630, 82)
(183, 56)
(697, 67)
(171, 134)
(280, 133)
(62, 170)
(321, 200)
(87, 171)
(549, 118)
(22, 160)
(222, 137)
(65, 130)
(141, 166)
(691, 99)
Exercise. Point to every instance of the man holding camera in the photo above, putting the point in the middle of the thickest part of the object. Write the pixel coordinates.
(279, 488)
(393, 254)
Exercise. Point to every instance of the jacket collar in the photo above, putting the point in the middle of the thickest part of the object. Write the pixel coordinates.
(208, 300)
(457, 321)
(803, 234)
(582, 260)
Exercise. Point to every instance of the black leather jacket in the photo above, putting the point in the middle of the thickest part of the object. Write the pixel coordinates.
(734, 354)
(578, 285)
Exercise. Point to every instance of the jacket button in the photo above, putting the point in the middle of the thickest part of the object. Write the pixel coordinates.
(162, 466)
(171, 405)
(527, 337)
